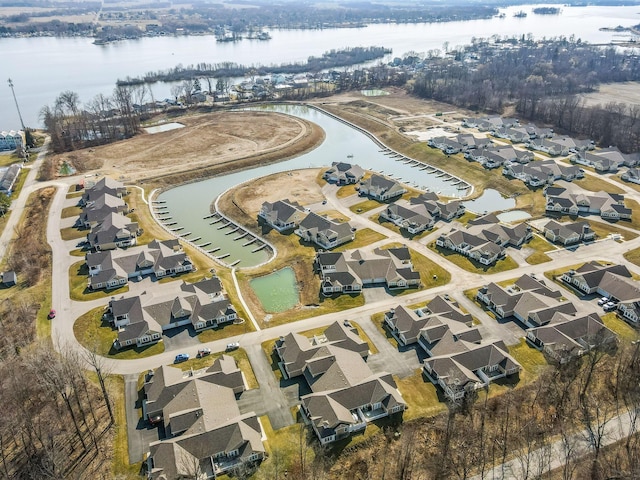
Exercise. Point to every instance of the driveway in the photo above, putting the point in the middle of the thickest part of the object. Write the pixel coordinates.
(140, 433)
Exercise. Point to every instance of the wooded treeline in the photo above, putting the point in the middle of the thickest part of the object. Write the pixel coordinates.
(331, 59)
(54, 422)
(103, 120)
(567, 403)
(538, 77)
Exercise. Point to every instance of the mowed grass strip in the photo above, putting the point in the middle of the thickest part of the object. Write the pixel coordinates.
(421, 396)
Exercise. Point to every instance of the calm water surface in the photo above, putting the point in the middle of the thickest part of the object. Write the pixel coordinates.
(41, 68)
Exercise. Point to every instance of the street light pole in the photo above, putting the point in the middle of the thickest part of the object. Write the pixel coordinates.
(16, 101)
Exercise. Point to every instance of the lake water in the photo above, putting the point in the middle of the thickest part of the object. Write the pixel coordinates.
(277, 291)
(43, 67)
(490, 201)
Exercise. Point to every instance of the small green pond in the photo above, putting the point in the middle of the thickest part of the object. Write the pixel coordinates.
(277, 291)
(66, 169)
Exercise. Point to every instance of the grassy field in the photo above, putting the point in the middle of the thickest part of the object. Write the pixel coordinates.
(364, 237)
(267, 348)
(378, 321)
(504, 264)
(365, 206)
(239, 355)
(595, 184)
(95, 333)
(226, 331)
(620, 327)
(68, 212)
(540, 245)
(72, 233)
(633, 256)
(603, 229)
(421, 396)
(531, 359)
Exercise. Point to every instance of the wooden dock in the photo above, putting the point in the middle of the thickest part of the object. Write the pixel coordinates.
(213, 250)
(225, 255)
(234, 263)
(264, 245)
(253, 240)
(241, 236)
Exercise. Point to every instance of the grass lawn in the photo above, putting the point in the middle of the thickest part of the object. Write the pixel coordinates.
(95, 333)
(537, 258)
(226, 331)
(267, 348)
(595, 184)
(603, 229)
(531, 359)
(284, 444)
(365, 206)
(334, 215)
(73, 211)
(78, 252)
(633, 256)
(364, 237)
(6, 160)
(78, 290)
(635, 216)
(620, 327)
(240, 356)
(466, 216)
(540, 245)
(420, 395)
(121, 467)
(363, 335)
(72, 233)
(504, 264)
(378, 321)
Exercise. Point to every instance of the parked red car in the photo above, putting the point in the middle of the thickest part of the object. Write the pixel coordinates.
(52, 314)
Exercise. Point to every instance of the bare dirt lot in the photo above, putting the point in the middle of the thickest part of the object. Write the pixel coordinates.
(628, 92)
(297, 186)
(229, 139)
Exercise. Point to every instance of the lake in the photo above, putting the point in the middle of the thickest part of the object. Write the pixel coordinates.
(42, 67)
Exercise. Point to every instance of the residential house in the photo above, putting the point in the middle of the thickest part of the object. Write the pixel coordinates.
(381, 188)
(414, 218)
(565, 338)
(609, 206)
(588, 277)
(11, 140)
(543, 172)
(558, 145)
(8, 178)
(496, 156)
(631, 175)
(436, 208)
(606, 160)
(429, 324)
(346, 394)
(529, 300)
(568, 233)
(282, 215)
(205, 433)
(513, 134)
(342, 173)
(114, 231)
(140, 320)
(114, 268)
(95, 211)
(467, 367)
(324, 232)
(103, 186)
(485, 242)
(350, 271)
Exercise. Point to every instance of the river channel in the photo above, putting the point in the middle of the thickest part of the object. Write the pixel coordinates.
(187, 207)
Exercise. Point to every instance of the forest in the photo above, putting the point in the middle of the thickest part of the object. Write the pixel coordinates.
(331, 59)
(542, 80)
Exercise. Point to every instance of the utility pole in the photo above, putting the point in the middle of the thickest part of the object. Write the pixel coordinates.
(16, 101)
